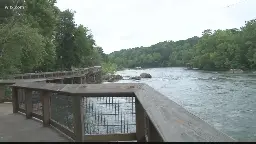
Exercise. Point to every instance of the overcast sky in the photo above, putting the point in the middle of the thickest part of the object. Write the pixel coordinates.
(121, 24)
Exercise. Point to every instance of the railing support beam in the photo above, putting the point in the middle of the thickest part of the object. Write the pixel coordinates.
(45, 97)
(28, 103)
(140, 121)
(2, 93)
(15, 103)
(153, 135)
(78, 112)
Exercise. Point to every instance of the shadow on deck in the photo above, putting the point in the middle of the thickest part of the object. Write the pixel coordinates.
(16, 128)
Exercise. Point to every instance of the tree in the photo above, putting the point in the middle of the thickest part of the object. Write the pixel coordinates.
(65, 40)
(214, 50)
(22, 50)
(41, 37)
(43, 16)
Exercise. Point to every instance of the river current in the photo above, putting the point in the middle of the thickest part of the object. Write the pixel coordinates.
(224, 100)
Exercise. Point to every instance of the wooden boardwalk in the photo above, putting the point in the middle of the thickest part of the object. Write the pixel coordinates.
(83, 112)
(16, 128)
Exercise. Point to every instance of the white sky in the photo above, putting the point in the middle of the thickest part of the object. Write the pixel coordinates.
(121, 24)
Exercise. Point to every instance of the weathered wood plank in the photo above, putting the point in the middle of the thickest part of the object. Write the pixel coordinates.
(10, 82)
(100, 89)
(2, 93)
(40, 86)
(153, 135)
(15, 103)
(78, 113)
(46, 107)
(173, 122)
(110, 137)
(90, 90)
(57, 73)
(28, 103)
(140, 122)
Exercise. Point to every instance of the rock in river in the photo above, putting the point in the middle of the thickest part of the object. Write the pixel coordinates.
(136, 78)
(145, 75)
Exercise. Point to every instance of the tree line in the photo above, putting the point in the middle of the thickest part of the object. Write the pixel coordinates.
(38, 36)
(214, 50)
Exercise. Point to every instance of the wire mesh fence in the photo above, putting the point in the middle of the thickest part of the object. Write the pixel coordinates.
(102, 115)
(36, 102)
(61, 110)
(109, 115)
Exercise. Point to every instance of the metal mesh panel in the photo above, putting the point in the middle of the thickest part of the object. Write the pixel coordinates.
(109, 115)
(36, 102)
(21, 99)
(61, 110)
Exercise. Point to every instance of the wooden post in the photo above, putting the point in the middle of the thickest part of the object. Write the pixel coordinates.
(64, 80)
(84, 79)
(15, 103)
(78, 112)
(28, 103)
(153, 135)
(2, 93)
(45, 100)
(74, 80)
(81, 80)
(100, 77)
(140, 121)
(77, 80)
(94, 78)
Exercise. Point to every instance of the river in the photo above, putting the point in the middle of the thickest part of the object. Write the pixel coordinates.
(226, 101)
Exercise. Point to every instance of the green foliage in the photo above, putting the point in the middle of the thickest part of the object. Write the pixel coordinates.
(65, 40)
(21, 50)
(40, 37)
(163, 54)
(215, 50)
(108, 67)
(95, 57)
(226, 49)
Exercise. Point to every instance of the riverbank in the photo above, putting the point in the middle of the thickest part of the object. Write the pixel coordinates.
(116, 76)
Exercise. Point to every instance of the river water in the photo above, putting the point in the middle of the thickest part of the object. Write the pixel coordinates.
(226, 101)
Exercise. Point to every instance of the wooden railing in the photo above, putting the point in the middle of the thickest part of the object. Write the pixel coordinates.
(69, 77)
(111, 112)
(80, 71)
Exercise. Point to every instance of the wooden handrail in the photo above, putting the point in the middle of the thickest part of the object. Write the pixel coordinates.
(57, 73)
(79, 76)
(157, 117)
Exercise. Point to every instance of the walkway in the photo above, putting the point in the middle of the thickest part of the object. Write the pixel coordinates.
(16, 128)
